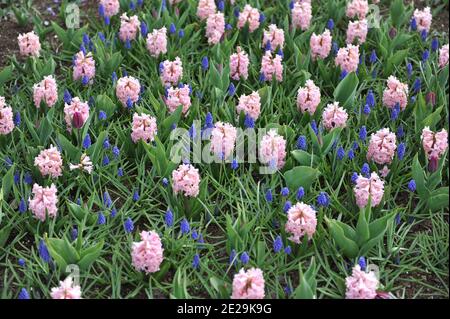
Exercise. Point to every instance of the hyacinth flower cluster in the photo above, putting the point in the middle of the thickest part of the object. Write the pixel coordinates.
(347, 118)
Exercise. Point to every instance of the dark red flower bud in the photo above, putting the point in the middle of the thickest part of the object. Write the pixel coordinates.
(433, 164)
(392, 32)
(431, 98)
(77, 120)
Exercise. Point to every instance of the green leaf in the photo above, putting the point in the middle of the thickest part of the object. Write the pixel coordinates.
(95, 150)
(362, 227)
(89, 255)
(329, 139)
(173, 118)
(304, 158)
(6, 74)
(419, 176)
(303, 176)
(8, 181)
(71, 150)
(346, 90)
(396, 59)
(104, 103)
(4, 235)
(439, 199)
(397, 11)
(348, 247)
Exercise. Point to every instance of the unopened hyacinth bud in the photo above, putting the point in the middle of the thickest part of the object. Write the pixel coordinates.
(433, 164)
(300, 193)
(330, 24)
(184, 226)
(128, 225)
(277, 244)
(284, 191)
(362, 263)
(412, 185)
(434, 44)
(431, 98)
(77, 120)
(392, 32)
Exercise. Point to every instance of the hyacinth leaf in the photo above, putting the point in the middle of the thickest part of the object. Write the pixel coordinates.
(179, 290)
(46, 128)
(67, 146)
(346, 90)
(377, 229)
(56, 249)
(419, 176)
(349, 232)
(61, 34)
(396, 59)
(315, 140)
(348, 247)
(105, 104)
(260, 253)
(89, 255)
(420, 112)
(95, 150)
(307, 287)
(4, 235)
(163, 269)
(172, 119)
(303, 176)
(220, 286)
(397, 11)
(329, 139)
(433, 119)
(442, 77)
(304, 158)
(439, 199)
(6, 74)
(8, 181)
(362, 227)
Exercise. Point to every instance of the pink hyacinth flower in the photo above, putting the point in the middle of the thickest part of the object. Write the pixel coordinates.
(372, 187)
(206, 8)
(361, 285)
(272, 67)
(223, 140)
(44, 202)
(423, 19)
(49, 162)
(144, 128)
(45, 91)
(443, 56)
(274, 36)
(357, 30)
(128, 89)
(357, 8)
(129, 27)
(248, 284)
(76, 108)
(301, 221)
(301, 15)
(171, 72)
(308, 97)
(320, 45)
(83, 66)
(29, 44)
(111, 7)
(347, 58)
(66, 290)
(6, 117)
(215, 27)
(178, 96)
(250, 105)
(334, 116)
(395, 92)
(382, 147)
(239, 64)
(249, 16)
(186, 180)
(157, 42)
(147, 254)
(272, 149)
(434, 143)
